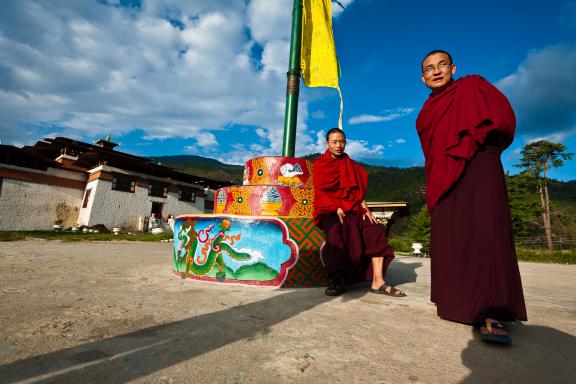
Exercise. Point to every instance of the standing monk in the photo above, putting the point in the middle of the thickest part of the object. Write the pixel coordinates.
(464, 126)
(354, 239)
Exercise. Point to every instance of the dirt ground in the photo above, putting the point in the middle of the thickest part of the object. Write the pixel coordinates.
(112, 312)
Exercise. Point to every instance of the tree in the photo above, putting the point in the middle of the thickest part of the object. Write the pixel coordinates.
(524, 204)
(420, 226)
(537, 159)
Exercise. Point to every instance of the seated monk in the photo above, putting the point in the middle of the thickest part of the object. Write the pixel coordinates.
(354, 239)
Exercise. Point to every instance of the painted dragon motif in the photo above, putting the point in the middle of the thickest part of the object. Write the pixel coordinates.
(211, 251)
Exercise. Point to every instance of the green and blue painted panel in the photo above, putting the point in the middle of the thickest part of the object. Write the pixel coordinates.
(251, 250)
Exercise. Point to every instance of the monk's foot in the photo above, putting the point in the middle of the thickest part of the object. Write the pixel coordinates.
(335, 289)
(388, 290)
(493, 331)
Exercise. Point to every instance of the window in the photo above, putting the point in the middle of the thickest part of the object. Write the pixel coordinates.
(86, 198)
(157, 189)
(187, 194)
(123, 183)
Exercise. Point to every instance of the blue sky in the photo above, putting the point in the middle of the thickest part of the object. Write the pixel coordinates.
(207, 77)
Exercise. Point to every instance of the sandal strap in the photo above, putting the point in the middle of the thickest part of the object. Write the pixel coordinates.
(491, 325)
(498, 325)
(394, 291)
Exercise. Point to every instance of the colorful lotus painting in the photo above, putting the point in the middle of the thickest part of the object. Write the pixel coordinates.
(233, 249)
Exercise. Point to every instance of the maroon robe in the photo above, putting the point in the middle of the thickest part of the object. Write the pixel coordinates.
(463, 131)
(453, 123)
(349, 247)
(338, 183)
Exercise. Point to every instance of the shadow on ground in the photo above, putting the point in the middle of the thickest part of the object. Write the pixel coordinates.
(538, 355)
(402, 273)
(130, 356)
(133, 355)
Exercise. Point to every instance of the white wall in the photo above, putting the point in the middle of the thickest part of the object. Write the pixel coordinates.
(84, 215)
(30, 206)
(122, 209)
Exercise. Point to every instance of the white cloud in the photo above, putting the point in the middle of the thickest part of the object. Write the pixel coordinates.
(356, 149)
(270, 20)
(400, 141)
(274, 57)
(206, 140)
(360, 149)
(318, 115)
(255, 255)
(557, 137)
(169, 68)
(387, 115)
(337, 9)
(542, 93)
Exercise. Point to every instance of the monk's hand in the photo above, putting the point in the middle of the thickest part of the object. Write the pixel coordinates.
(341, 215)
(366, 213)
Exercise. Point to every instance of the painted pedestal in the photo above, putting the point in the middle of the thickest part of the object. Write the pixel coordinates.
(261, 233)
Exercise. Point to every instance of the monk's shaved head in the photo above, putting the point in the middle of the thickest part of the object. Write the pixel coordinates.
(433, 53)
(334, 130)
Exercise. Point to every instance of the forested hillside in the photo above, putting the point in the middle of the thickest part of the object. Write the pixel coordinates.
(408, 184)
(203, 166)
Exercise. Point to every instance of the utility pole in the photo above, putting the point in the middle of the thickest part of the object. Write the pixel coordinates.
(293, 83)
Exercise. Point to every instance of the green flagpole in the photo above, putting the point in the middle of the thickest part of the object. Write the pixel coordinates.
(293, 84)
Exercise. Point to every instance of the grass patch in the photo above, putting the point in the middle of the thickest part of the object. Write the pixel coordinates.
(80, 236)
(400, 245)
(565, 256)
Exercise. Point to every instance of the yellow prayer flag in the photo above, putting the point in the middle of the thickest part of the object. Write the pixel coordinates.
(318, 53)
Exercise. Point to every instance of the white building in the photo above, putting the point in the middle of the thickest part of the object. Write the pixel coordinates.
(63, 180)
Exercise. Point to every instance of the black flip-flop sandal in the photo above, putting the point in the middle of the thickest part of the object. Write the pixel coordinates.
(488, 335)
(393, 291)
(335, 290)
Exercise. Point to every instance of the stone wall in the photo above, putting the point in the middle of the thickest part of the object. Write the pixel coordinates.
(26, 205)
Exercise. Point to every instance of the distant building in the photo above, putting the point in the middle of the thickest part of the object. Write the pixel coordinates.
(383, 211)
(78, 183)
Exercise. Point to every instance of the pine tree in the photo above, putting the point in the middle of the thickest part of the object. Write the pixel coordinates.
(537, 159)
(420, 226)
(524, 204)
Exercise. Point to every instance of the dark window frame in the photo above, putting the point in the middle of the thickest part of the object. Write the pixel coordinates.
(187, 195)
(156, 189)
(123, 183)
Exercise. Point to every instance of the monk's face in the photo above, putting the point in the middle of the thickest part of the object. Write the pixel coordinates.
(437, 71)
(336, 144)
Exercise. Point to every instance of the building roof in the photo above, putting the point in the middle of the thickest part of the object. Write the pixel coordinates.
(82, 156)
(25, 157)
